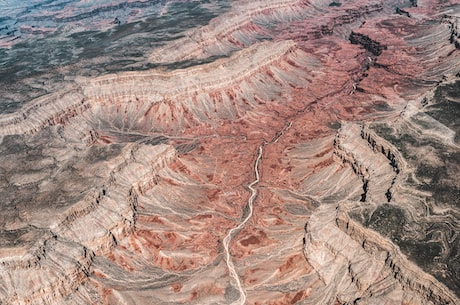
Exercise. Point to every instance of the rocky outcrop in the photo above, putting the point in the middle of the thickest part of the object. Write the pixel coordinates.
(33, 284)
(358, 265)
(90, 227)
(223, 90)
(389, 151)
(158, 185)
(329, 251)
(370, 45)
(259, 21)
(49, 110)
(272, 72)
(454, 33)
(409, 276)
(375, 165)
(239, 30)
(35, 19)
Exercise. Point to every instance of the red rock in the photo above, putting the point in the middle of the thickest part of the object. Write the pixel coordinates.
(234, 181)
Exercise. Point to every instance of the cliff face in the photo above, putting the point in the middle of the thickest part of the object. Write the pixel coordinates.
(284, 152)
(383, 171)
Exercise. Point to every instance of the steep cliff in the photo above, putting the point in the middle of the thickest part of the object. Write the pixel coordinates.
(245, 152)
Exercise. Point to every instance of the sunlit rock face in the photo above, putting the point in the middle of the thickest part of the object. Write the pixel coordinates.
(230, 152)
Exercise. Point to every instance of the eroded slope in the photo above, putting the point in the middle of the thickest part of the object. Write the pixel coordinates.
(285, 153)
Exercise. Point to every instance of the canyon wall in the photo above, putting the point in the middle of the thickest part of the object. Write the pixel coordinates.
(244, 152)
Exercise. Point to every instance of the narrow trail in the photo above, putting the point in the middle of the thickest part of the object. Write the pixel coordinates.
(231, 267)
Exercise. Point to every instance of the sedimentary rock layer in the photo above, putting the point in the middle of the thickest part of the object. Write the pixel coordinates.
(35, 20)
(329, 250)
(286, 152)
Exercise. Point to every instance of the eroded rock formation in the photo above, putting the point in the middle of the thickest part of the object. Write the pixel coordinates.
(284, 152)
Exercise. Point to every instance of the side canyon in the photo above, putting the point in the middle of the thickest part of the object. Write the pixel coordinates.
(230, 152)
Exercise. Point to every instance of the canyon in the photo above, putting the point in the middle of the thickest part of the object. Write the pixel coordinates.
(230, 152)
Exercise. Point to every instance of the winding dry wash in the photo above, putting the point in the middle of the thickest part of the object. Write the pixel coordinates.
(250, 207)
(230, 152)
(232, 232)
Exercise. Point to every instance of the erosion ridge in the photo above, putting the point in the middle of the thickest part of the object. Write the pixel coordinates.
(268, 152)
(197, 84)
(453, 25)
(38, 20)
(337, 257)
(240, 29)
(44, 111)
(403, 271)
(256, 22)
(375, 170)
(86, 216)
(324, 245)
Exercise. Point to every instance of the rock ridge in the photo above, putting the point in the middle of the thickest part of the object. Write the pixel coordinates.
(65, 243)
(408, 275)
